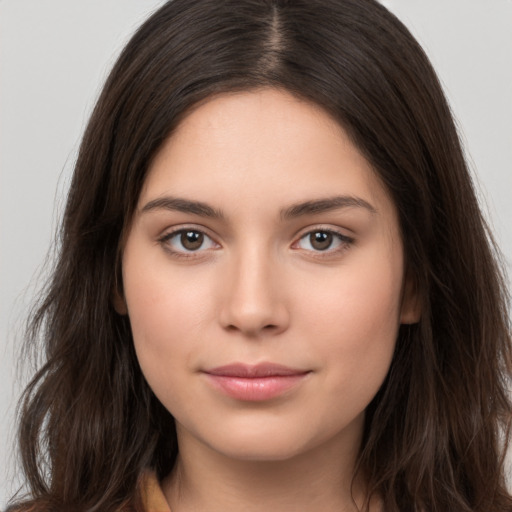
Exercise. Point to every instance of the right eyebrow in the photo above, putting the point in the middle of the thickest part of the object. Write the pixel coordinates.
(183, 205)
(322, 205)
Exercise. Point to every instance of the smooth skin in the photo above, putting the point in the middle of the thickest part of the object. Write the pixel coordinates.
(263, 235)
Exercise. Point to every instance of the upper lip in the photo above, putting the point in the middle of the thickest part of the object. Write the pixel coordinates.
(253, 371)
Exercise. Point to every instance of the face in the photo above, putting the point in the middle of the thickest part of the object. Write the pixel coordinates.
(264, 278)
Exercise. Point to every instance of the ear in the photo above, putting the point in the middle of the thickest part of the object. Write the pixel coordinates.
(410, 312)
(119, 302)
(117, 296)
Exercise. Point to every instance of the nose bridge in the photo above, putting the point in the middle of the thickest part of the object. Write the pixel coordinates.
(253, 300)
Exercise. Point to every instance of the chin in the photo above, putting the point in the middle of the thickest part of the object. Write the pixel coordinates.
(270, 444)
(260, 451)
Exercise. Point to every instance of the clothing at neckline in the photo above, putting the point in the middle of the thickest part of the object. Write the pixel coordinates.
(152, 494)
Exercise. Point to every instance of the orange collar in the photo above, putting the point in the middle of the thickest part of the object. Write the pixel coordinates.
(152, 494)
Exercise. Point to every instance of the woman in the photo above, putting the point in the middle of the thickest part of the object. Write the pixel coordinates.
(275, 287)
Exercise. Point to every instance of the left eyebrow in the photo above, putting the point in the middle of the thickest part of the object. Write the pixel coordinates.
(183, 205)
(325, 205)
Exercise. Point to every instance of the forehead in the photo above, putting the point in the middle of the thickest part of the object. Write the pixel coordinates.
(265, 145)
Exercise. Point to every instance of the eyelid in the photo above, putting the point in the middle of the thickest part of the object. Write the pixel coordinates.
(170, 233)
(345, 240)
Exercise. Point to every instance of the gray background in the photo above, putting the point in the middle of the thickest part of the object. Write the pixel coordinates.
(54, 56)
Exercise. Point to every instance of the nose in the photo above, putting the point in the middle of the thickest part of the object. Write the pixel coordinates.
(253, 296)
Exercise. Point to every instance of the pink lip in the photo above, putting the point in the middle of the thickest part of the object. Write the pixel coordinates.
(255, 383)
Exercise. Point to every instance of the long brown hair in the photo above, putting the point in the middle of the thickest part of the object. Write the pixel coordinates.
(436, 432)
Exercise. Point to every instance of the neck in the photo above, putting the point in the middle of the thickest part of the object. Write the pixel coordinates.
(319, 479)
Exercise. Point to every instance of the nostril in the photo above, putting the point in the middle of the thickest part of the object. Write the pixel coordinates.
(253, 330)
(253, 310)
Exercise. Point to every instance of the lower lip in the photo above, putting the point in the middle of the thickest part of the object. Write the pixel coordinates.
(255, 389)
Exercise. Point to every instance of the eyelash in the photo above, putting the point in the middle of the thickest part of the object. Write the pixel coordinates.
(344, 242)
(165, 242)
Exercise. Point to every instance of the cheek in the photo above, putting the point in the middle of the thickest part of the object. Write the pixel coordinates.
(357, 299)
(167, 313)
(355, 318)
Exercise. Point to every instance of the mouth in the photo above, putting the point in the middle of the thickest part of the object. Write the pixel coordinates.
(255, 383)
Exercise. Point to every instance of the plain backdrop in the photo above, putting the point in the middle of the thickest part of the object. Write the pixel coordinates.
(54, 56)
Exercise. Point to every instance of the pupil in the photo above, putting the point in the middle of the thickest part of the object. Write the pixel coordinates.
(321, 240)
(192, 240)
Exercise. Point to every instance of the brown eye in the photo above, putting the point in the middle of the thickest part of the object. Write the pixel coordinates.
(321, 240)
(191, 240)
(186, 241)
